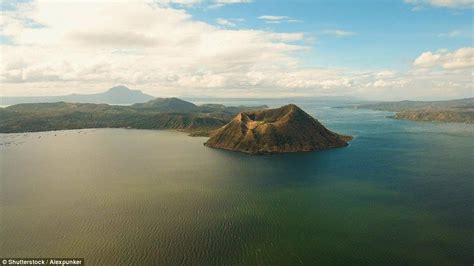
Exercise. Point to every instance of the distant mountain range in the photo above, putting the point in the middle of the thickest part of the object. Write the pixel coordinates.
(417, 105)
(115, 95)
(459, 110)
(255, 129)
(160, 113)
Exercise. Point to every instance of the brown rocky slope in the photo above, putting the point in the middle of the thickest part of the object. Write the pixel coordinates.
(280, 130)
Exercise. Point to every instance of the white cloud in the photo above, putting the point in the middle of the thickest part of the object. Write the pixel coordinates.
(232, 1)
(188, 3)
(271, 19)
(71, 47)
(443, 3)
(231, 22)
(451, 34)
(219, 3)
(456, 34)
(134, 43)
(461, 58)
(179, 2)
(339, 33)
(268, 17)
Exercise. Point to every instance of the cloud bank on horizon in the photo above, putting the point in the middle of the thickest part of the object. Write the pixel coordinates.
(220, 48)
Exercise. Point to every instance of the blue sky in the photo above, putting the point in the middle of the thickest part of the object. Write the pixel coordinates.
(398, 49)
(387, 33)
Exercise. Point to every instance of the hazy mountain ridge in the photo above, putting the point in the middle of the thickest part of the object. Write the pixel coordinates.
(458, 110)
(417, 105)
(457, 116)
(115, 95)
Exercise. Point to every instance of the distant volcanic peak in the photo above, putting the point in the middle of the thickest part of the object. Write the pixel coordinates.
(120, 88)
(125, 91)
(284, 129)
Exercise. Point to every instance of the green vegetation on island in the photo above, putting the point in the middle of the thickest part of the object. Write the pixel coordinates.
(280, 130)
(160, 113)
(242, 128)
(459, 110)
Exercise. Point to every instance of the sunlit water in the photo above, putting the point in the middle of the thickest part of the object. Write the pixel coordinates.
(400, 194)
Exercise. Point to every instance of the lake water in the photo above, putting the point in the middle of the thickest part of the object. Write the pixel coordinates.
(400, 194)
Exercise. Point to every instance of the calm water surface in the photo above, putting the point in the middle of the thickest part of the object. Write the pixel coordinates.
(400, 194)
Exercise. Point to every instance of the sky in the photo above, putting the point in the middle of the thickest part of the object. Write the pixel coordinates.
(369, 49)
